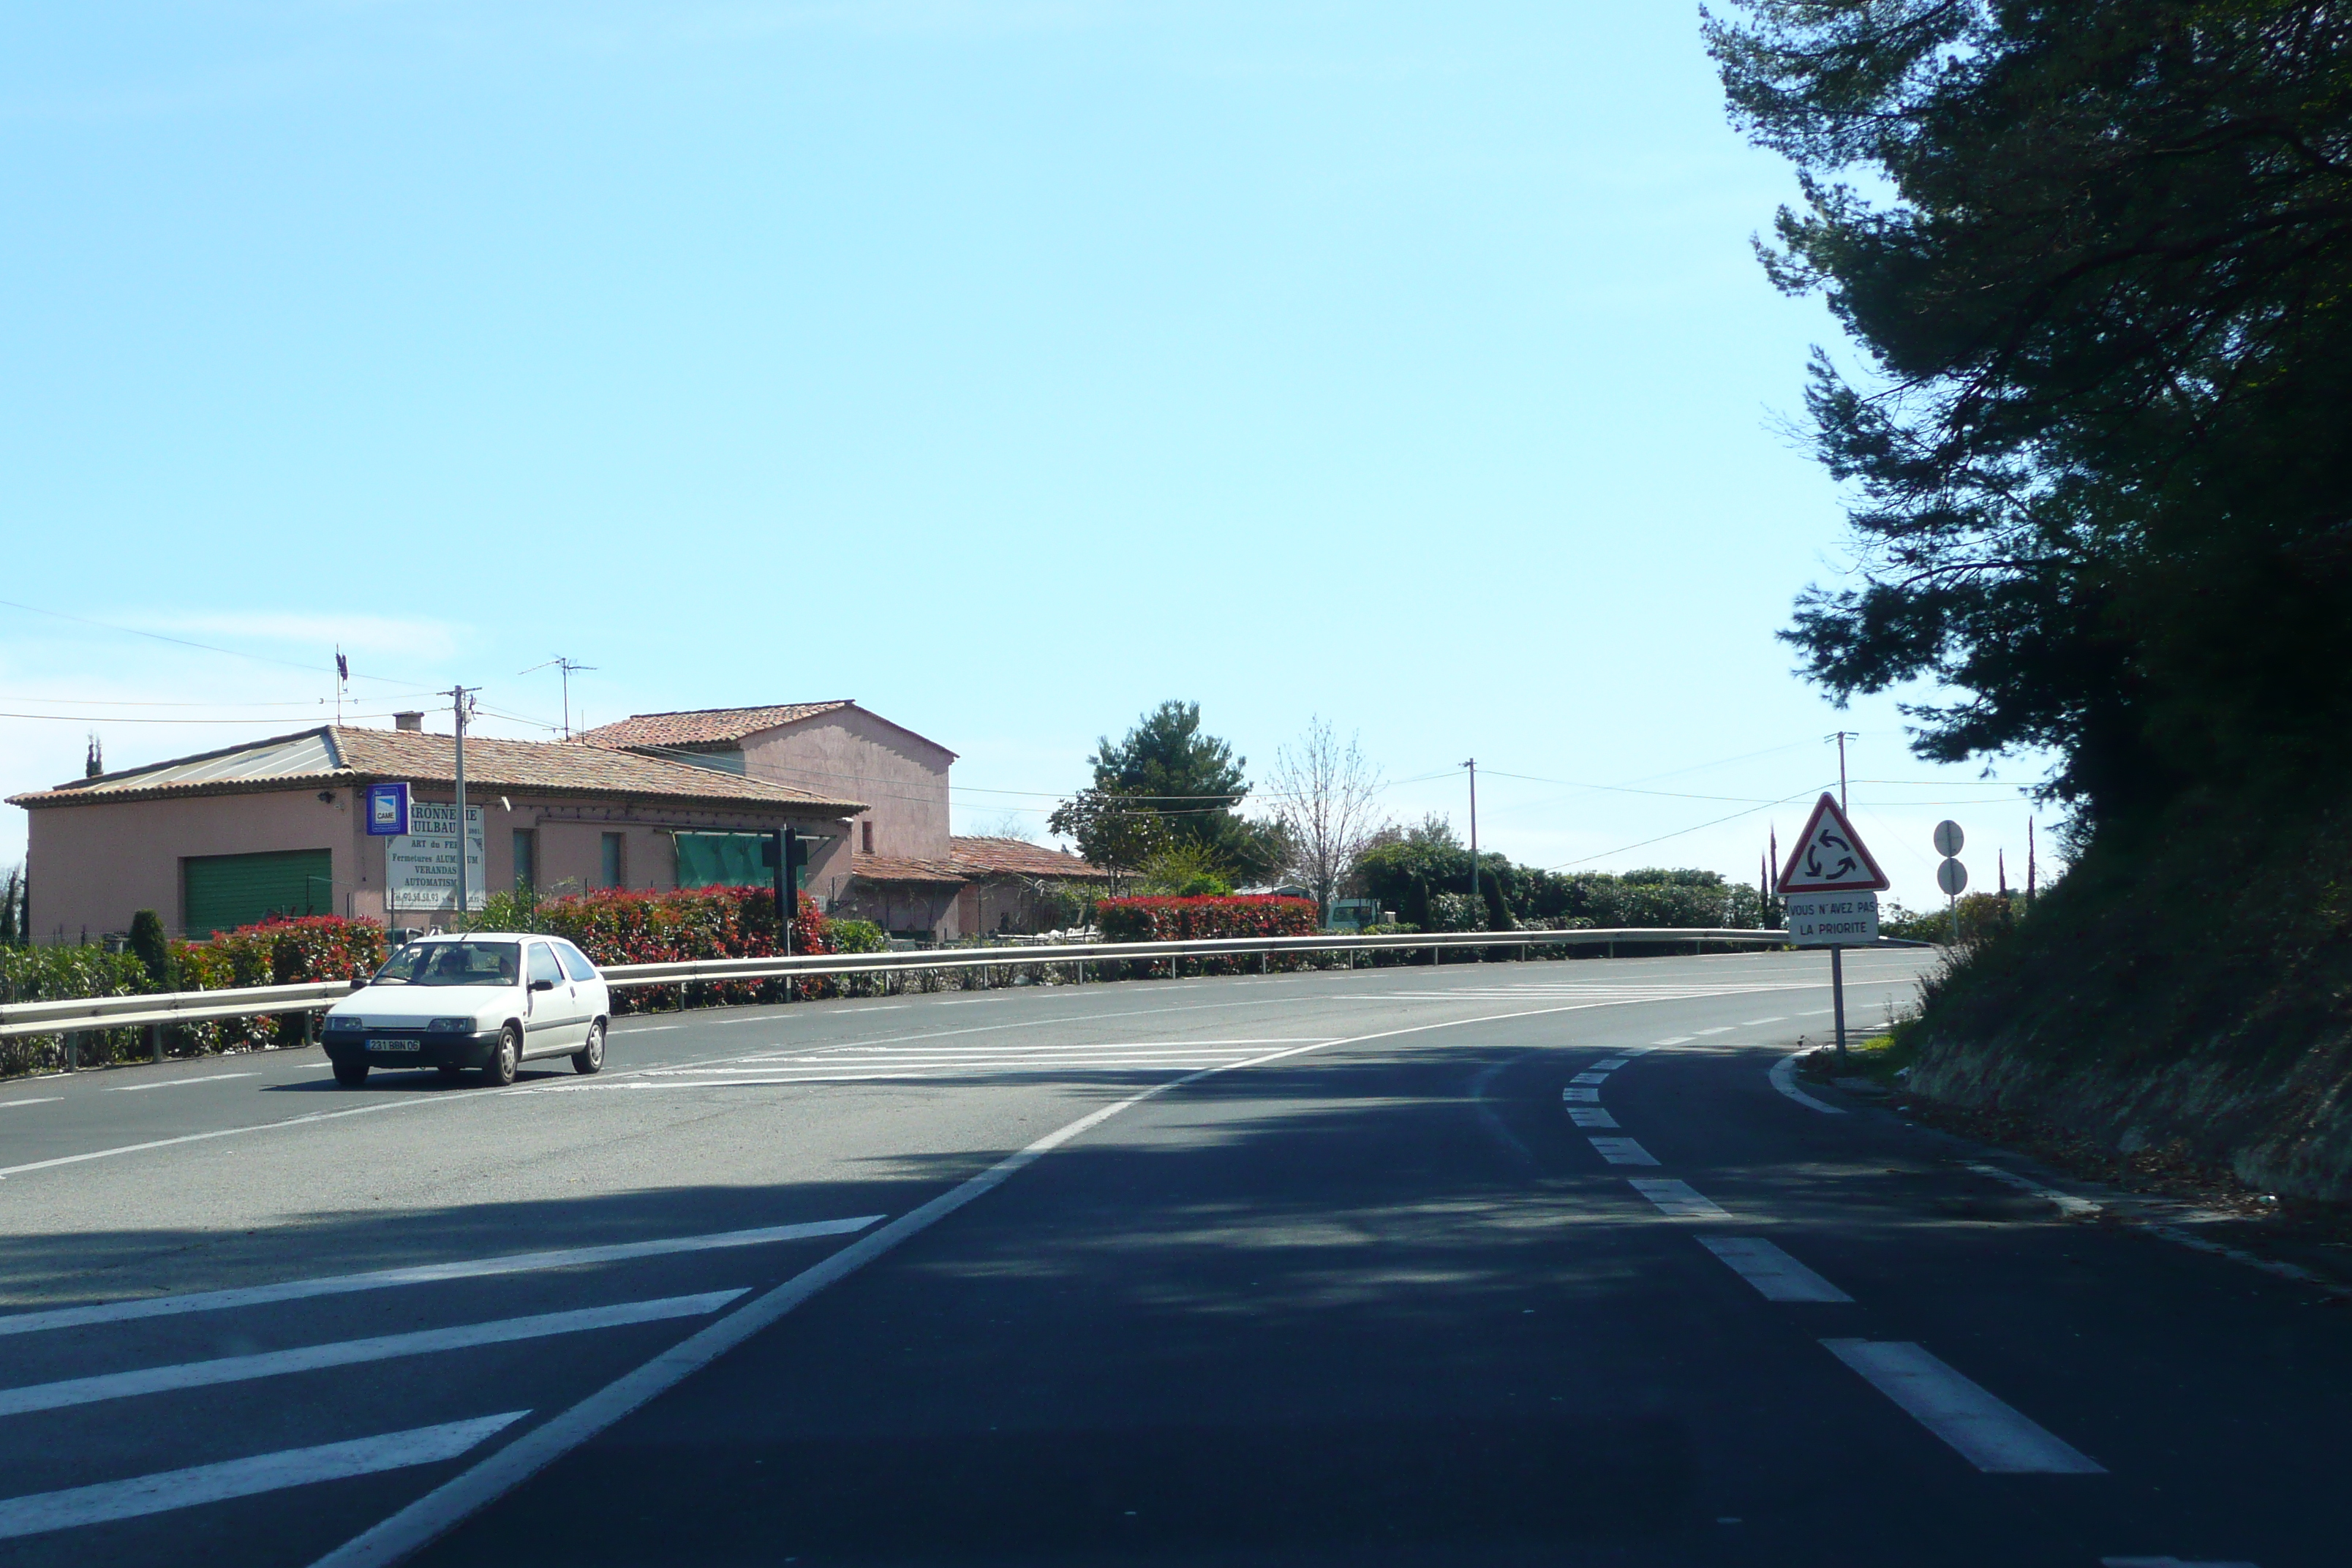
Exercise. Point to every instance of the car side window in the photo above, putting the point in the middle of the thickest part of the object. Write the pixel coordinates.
(543, 966)
(576, 963)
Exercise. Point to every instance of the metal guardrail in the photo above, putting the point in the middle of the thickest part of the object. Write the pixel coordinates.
(77, 1016)
(1083, 954)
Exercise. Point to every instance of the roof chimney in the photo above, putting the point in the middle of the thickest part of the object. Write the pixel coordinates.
(412, 720)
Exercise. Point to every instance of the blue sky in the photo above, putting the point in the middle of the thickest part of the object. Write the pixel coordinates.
(1008, 367)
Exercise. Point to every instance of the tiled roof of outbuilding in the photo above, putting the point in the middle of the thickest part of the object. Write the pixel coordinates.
(903, 869)
(343, 754)
(703, 726)
(1018, 857)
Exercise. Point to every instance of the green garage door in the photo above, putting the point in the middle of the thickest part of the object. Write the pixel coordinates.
(225, 892)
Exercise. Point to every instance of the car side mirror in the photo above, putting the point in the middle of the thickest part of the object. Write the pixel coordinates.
(542, 986)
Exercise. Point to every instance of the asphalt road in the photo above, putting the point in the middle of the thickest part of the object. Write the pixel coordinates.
(1498, 1263)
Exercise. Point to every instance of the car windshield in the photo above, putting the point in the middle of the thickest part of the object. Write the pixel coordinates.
(452, 964)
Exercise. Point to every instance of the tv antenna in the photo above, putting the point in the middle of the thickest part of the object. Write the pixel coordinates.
(567, 667)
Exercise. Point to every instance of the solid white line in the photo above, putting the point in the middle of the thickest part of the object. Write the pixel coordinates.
(350, 1352)
(177, 1082)
(422, 1274)
(440, 1510)
(1678, 1200)
(171, 1489)
(1991, 1436)
(1590, 1116)
(2068, 1204)
(1622, 1152)
(1696, 1034)
(1751, 1023)
(1777, 1276)
(44, 1100)
(1671, 1040)
(1784, 1079)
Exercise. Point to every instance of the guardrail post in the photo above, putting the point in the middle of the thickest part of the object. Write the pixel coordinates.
(309, 1029)
(156, 1041)
(73, 1050)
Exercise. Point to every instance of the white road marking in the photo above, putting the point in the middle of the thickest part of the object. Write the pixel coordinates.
(441, 1509)
(1678, 1200)
(1590, 1077)
(45, 1512)
(2068, 1204)
(44, 1100)
(1671, 1040)
(1784, 1079)
(1751, 1023)
(177, 1082)
(1622, 1152)
(1816, 1013)
(422, 1274)
(316, 1116)
(1590, 1116)
(1611, 1064)
(1698, 1034)
(1987, 1433)
(1589, 1095)
(1777, 1276)
(352, 1352)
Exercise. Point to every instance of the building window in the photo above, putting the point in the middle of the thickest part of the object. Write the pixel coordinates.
(866, 837)
(612, 868)
(526, 858)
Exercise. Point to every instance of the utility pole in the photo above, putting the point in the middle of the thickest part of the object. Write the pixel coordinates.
(457, 706)
(566, 667)
(1842, 737)
(1472, 765)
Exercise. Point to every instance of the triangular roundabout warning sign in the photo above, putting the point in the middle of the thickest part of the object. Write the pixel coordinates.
(1829, 857)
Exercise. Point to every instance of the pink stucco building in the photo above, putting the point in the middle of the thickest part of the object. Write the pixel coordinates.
(275, 826)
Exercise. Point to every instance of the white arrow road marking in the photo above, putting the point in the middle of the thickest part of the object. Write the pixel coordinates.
(1991, 1436)
(1784, 1079)
(1622, 1152)
(1678, 1200)
(422, 1274)
(350, 1352)
(1773, 1272)
(162, 1493)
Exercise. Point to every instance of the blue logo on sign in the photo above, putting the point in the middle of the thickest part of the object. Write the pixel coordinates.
(387, 810)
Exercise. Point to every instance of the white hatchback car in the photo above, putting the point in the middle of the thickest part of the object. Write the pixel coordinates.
(490, 1000)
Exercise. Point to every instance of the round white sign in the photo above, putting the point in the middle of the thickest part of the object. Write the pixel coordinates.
(1952, 876)
(1949, 838)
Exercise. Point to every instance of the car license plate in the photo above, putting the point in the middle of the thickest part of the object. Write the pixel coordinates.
(394, 1045)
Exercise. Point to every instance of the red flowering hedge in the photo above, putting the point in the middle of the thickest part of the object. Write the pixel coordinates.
(1184, 919)
(619, 926)
(275, 953)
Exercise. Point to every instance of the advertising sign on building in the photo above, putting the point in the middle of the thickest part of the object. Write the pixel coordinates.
(387, 810)
(420, 866)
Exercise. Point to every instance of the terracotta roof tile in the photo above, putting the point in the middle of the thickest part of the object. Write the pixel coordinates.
(347, 755)
(703, 726)
(1018, 857)
(901, 868)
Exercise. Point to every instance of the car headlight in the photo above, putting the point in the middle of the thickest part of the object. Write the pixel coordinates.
(451, 1026)
(344, 1021)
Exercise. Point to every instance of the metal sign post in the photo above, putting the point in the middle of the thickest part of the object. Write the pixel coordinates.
(1831, 886)
(1951, 876)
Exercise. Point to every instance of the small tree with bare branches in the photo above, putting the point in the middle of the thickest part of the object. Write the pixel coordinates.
(1322, 793)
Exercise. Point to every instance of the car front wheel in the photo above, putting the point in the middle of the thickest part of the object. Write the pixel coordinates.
(500, 1070)
(350, 1075)
(590, 1057)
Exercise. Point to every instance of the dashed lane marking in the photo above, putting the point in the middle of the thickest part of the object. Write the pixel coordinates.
(44, 1100)
(1678, 1200)
(1701, 1034)
(1775, 1275)
(1990, 1435)
(178, 1083)
(1590, 1077)
(1611, 1064)
(141, 1495)
(423, 1274)
(1752, 1023)
(1584, 1092)
(352, 1352)
(1622, 1152)
(1590, 1116)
